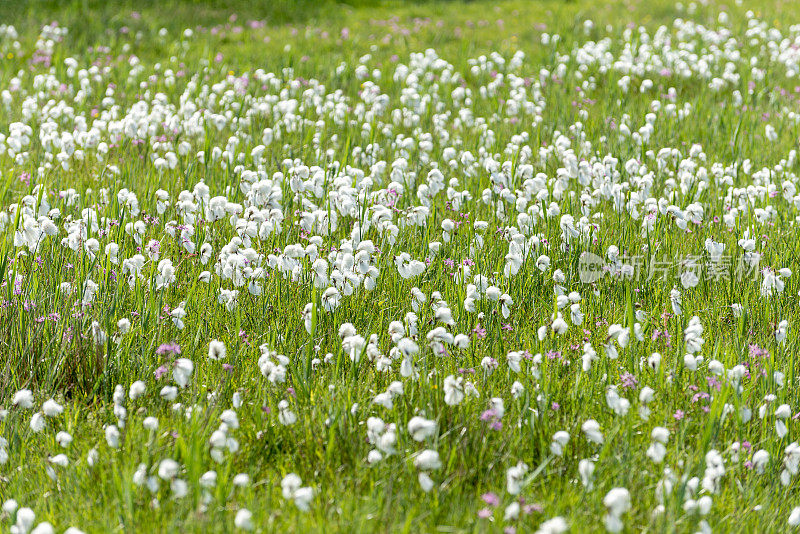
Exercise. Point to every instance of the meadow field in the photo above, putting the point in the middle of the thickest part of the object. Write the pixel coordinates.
(457, 266)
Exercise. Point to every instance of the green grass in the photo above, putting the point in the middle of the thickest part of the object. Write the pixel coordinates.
(46, 341)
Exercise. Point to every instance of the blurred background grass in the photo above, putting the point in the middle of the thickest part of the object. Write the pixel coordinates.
(94, 22)
(320, 38)
(89, 16)
(90, 20)
(97, 14)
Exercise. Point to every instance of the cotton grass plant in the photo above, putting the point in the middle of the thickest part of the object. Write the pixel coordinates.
(519, 268)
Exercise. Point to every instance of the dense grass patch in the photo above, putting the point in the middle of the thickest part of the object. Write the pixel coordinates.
(294, 266)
